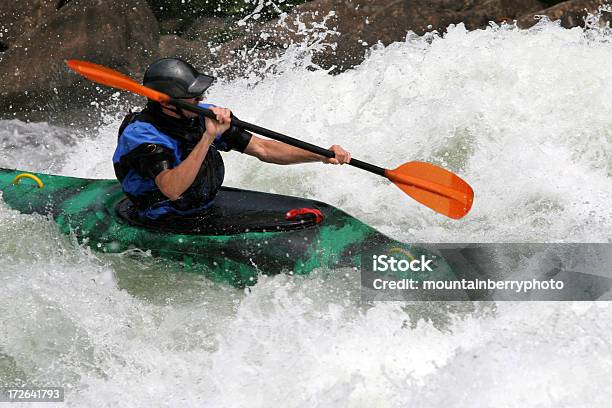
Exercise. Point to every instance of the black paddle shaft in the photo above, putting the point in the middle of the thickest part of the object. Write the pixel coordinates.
(279, 136)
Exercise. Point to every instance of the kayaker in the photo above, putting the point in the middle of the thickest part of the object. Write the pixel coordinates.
(167, 159)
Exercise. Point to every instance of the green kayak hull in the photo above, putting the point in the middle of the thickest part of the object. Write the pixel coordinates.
(87, 208)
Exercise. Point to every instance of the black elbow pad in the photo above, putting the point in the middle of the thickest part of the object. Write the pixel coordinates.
(148, 160)
(239, 138)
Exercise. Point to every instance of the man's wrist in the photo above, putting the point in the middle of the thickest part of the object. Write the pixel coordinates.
(208, 137)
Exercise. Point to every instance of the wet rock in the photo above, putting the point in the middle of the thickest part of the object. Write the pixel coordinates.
(171, 26)
(19, 17)
(571, 13)
(361, 23)
(121, 34)
(209, 29)
(195, 52)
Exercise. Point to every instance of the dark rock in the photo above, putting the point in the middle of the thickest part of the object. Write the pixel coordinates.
(206, 29)
(195, 52)
(120, 34)
(571, 13)
(19, 17)
(361, 23)
(214, 31)
(171, 26)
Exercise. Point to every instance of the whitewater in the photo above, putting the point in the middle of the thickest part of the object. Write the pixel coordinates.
(525, 116)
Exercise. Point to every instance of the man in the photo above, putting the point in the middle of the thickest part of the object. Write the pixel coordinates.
(167, 158)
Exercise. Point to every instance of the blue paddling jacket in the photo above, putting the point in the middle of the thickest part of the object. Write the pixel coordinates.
(150, 142)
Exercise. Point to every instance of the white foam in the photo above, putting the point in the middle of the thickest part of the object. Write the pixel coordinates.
(524, 116)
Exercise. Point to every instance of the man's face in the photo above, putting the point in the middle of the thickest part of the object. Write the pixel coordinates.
(189, 114)
(193, 101)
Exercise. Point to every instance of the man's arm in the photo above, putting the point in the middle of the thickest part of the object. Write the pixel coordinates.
(272, 151)
(174, 182)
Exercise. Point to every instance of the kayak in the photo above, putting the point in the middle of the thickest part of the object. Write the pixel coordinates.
(243, 234)
(248, 233)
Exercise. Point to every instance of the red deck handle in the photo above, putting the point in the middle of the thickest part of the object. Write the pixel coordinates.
(293, 214)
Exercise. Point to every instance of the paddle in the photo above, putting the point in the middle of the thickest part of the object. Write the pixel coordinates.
(432, 186)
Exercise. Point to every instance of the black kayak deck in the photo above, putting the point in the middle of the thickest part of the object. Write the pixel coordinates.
(234, 211)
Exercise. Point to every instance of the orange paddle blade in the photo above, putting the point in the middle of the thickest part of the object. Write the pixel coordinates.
(435, 187)
(114, 79)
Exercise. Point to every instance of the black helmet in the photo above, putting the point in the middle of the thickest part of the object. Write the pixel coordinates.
(176, 78)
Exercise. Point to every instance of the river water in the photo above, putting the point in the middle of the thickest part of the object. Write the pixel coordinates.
(524, 115)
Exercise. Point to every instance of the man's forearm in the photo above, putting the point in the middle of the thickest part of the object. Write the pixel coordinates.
(174, 182)
(281, 153)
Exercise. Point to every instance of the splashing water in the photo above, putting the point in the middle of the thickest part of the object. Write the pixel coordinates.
(524, 115)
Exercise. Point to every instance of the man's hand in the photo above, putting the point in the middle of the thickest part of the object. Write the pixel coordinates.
(216, 127)
(342, 156)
